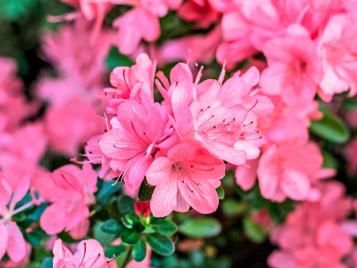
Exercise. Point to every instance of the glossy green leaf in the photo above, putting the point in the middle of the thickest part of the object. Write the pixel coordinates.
(160, 244)
(111, 226)
(139, 251)
(130, 236)
(125, 205)
(200, 227)
(232, 207)
(253, 231)
(103, 237)
(114, 251)
(47, 263)
(220, 192)
(164, 227)
(330, 127)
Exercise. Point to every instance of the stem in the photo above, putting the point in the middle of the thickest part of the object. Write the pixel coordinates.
(22, 208)
(127, 257)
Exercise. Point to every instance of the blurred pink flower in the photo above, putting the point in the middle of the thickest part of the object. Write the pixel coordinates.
(69, 190)
(350, 154)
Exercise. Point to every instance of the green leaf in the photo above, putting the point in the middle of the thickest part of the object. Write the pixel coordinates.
(129, 236)
(330, 127)
(104, 238)
(47, 263)
(164, 227)
(36, 238)
(253, 231)
(115, 59)
(125, 205)
(160, 244)
(329, 160)
(145, 191)
(14, 9)
(114, 251)
(129, 220)
(200, 227)
(220, 192)
(111, 226)
(139, 251)
(232, 207)
(106, 192)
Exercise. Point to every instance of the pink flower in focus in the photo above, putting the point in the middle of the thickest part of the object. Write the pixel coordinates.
(69, 190)
(89, 254)
(186, 178)
(226, 117)
(290, 169)
(138, 132)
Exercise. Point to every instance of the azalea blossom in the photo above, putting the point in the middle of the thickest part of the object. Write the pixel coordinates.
(69, 190)
(186, 178)
(89, 254)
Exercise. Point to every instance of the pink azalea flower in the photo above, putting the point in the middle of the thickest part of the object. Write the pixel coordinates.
(13, 106)
(294, 69)
(290, 169)
(138, 132)
(226, 118)
(338, 50)
(12, 241)
(89, 254)
(135, 82)
(76, 115)
(186, 178)
(305, 237)
(68, 50)
(141, 22)
(69, 190)
(195, 48)
(198, 11)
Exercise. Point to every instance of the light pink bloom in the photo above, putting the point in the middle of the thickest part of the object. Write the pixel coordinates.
(141, 22)
(135, 82)
(89, 254)
(198, 11)
(290, 169)
(338, 50)
(248, 24)
(12, 241)
(194, 48)
(77, 116)
(294, 69)
(138, 132)
(305, 237)
(69, 190)
(68, 49)
(186, 178)
(13, 105)
(226, 117)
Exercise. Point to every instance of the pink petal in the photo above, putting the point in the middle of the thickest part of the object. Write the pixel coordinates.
(3, 239)
(164, 198)
(246, 174)
(159, 171)
(16, 249)
(53, 219)
(295, 185)
(201, 196)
